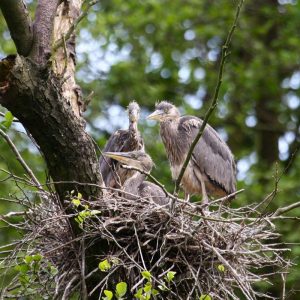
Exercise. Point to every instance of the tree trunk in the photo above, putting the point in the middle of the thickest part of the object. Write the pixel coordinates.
(35, 97)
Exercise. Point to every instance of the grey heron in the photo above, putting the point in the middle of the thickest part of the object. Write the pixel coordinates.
(121, 141)
(211, 169)
(136, 184)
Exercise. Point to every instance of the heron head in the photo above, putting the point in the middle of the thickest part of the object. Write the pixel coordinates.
(133, 111)
(138, 159)
(164, 111)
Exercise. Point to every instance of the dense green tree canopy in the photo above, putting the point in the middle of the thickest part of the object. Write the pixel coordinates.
(153, 50)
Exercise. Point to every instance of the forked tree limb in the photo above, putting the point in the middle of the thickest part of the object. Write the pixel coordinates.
(224, 55)
(19, 24)
(42, 29)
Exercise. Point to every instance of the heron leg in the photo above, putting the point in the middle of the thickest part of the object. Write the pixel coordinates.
(203, 189)
(186, 196)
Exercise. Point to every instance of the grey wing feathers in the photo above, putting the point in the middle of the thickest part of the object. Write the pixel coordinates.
(211, 154)
(150, 190)
(114, 144)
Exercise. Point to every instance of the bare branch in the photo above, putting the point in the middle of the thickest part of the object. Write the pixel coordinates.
(43, 26)
(282, 210)
(224, 55)
(19, 157)
(19, 24)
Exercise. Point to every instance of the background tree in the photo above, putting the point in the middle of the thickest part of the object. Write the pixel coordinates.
(143, 51)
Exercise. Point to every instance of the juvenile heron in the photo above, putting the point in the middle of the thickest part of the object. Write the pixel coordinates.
(211, 169)
(136, 184)
(121, 141)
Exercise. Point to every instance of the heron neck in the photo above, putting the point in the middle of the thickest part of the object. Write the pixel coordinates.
(171, 139)
(133, 127)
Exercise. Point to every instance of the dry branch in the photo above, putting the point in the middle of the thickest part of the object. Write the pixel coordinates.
(19, 24)
(144, 236)
(19, 157)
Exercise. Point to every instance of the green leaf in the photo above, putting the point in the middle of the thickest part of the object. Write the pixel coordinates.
(121, 289)
(109, 295)
(170, 276)
(155, 292)
(162, 287)
(22, 268)
(76, 202)
(79, 196)
(37, 257)
(221, 268)
(28, 259)
(8, 119)
(53, 270)
(146, 275)
(148, 287)
(205, 297)
(139, 293)
(104, 265)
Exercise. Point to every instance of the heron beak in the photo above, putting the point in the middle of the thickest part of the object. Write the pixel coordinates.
(122, 157)
(156, 115)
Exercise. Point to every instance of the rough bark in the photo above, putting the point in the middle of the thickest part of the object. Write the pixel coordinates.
(45, 98)
(42, 30)
(35, 97)
(19, 24)
(64, 60)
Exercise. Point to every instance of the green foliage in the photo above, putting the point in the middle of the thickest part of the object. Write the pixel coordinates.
(221, 268)
(170, 276)
(8, 119)
(84, 212)
(108, 295)
(205, 297)
(104, 265)
(32, 274)
(121, 290)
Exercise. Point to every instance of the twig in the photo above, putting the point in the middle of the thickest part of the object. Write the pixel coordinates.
(224, 55)
(222, 199)
(283, 277)
(66, 37)
(66, 292)
(84, 293)
(13, 214)
(282, 210)
(19, 157)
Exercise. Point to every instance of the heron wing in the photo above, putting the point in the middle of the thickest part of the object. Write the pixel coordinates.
(150, 190)
(211, 153)
(114, 144)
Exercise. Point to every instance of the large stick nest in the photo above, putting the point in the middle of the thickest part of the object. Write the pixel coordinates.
(216, 250)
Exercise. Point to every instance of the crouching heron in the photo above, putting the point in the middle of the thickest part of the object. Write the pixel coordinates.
(121, 141)
(136, 184)
(211, 169)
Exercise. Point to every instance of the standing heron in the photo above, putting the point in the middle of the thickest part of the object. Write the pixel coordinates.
(121, 141)
(211, 169)
(136, 184)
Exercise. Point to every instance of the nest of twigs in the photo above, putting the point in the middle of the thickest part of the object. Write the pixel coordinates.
(217, 251)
